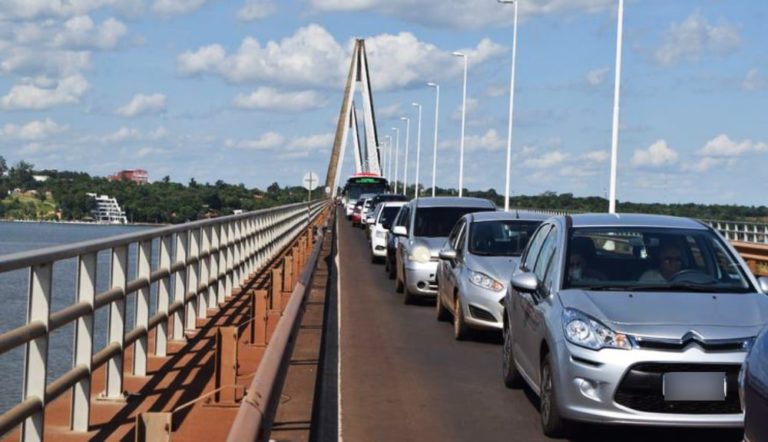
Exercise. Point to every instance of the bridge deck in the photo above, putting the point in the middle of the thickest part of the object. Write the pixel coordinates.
(403, 377)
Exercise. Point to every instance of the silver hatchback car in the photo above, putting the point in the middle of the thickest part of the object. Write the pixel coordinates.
(631, 319)
(476, 265)
(421, 230)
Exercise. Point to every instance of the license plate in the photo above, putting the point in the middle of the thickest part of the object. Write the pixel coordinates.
(687, 386)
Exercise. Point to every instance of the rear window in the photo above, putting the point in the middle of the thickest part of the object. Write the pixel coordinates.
(436, 222)
(500, 238)
(388, 215)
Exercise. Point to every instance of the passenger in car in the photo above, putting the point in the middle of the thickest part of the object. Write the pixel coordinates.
(670, 263)
(581, 260)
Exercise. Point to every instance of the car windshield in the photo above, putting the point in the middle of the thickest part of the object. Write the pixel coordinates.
(435, 222)
(500, 237)
(652, 259)
(388, 215)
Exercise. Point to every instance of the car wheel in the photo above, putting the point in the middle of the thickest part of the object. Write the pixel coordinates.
(388, 268)
(399, 285)
(512, 378)
(407, 296)
(460, 330)
(552, 423)
(442, 312)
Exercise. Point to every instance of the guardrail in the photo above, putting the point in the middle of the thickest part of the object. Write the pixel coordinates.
(756, 256)
(198, 265)
(741, 231)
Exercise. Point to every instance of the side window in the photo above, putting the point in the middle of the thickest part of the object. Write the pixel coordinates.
(460, 239)
(545, 262)
(402, 219)
(532, 251)
(454, 234)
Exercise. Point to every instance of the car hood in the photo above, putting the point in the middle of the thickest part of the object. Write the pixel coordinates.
(499, 268)
(673, 314)
(433, 244)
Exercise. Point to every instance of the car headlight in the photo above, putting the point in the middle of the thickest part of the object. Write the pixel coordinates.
(381, 234)
(485, 281)
(420, 254)
(587, 332)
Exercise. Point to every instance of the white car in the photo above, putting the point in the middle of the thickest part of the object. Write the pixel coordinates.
(379, 224)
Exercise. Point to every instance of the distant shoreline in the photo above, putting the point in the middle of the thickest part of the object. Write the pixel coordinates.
(84, 223)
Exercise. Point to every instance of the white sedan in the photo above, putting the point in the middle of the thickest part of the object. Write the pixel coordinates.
(378, 224)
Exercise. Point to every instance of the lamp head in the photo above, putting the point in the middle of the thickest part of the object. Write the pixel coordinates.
(459, 54)
(432, 84)
(415, 104)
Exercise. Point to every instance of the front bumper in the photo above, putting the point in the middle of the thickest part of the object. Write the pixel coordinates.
(482, 307)
(420, 278)
(593, 386)
(378, 245)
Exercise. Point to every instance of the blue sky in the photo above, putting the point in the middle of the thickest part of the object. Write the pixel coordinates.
(249, 90)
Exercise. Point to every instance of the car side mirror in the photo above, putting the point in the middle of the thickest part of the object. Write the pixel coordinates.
(525, 282)
(369, 220)
(763, 281)
(448, 254)
(399, 231)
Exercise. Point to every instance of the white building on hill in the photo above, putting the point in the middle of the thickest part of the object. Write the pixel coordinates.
(107, 210)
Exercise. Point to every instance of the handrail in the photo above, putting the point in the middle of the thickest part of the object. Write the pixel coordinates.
(255, 407)
(205, 260)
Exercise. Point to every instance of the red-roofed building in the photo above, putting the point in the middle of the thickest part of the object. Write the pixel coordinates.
(138, 176)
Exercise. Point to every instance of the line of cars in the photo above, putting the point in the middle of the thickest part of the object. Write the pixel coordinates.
(620, 319)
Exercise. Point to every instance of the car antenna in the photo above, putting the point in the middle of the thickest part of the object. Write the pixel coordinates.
(517, 212)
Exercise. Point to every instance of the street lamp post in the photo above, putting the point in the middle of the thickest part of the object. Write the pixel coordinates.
(615, 131)
(511, 103)
(405, 160)
(463, 121)
(397, 154)
(434, 148)
(418, 150)
(389, 157)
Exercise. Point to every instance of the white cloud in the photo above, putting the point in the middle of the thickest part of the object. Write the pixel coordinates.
(488, 141)
(657, 154)
(755, 80)
(391, 111)
(547, 160)
(122, 134)
(268, 140)
(35, 9)
(596, 77)
(256, 10)
(312, 57)
(597, 156)
(34, 130)
(472, 105)
(37, 61)
(723, 146)
(271, 99)
(461, 13)
(82, 32)
(176, 7)
(142, 104)
(704, 164)
(41, 93)
(318, 141)
(694, 38)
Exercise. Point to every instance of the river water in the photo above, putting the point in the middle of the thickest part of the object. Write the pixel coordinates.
(23, 236)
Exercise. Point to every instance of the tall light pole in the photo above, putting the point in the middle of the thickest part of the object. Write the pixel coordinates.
(389, 156)
(418, 150)
(434, 148)
(615, 131)
(405, 161)
(397, 154)
(511, 103)
(463, 121)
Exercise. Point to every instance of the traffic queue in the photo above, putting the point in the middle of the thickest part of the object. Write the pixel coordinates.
(608, 318)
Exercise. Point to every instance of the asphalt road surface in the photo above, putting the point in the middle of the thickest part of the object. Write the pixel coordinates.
(404, 377)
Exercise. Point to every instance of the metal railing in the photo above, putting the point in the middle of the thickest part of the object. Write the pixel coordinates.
(198, 265)
(741, 231)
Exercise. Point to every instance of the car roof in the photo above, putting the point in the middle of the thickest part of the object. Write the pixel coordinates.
(635, 220)
(392, 203)
(451, 201)
(513, 215)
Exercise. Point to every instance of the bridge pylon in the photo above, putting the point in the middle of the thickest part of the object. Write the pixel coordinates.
(367, 153)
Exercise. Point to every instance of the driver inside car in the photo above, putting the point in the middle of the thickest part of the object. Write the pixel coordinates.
(670, 263)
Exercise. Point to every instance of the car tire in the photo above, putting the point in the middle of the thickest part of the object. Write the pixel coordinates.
(407, 296)
(460, 329)
(552, 423)
(388, 268)
(399, 285)
(509, 372)
(442, 312)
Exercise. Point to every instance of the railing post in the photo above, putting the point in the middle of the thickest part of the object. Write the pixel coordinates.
(221, 279)
(36, 360)
(226, 364)
(238, 277)
(288, 274)
(180, 285)
(163, 296)
(213, 265)
(86, 292)
(142, 309)
(259, 307)
(116, 325)
(202, 295)
(230, 258)
(193, 284)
